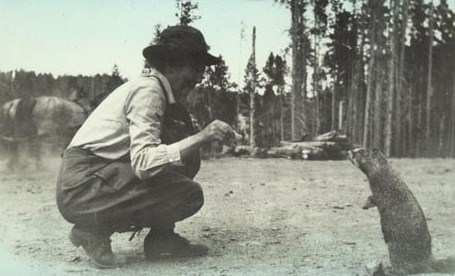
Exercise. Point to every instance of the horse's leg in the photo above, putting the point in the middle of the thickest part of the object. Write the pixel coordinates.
(35, 152)
(13, 152)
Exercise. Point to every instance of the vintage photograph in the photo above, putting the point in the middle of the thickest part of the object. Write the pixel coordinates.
(227, 137)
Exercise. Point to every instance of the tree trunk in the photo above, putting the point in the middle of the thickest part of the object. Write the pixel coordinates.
(429, 80)
(253, 92)
(237, 108)
(419, 125)
(298, 66)
(351, 114)
(333, 109)
(317, 124)
(359, 78)
(400, 142)
(368, 104)
(391, 78)
(410, 121)
(281, 119)
(452, 121)
(378, 106)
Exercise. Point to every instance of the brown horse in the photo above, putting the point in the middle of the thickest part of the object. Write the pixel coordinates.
(25, 123)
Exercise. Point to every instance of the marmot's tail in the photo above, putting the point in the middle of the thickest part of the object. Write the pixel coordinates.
(444, 266)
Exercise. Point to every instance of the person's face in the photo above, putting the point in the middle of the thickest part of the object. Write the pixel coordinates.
(185, 78)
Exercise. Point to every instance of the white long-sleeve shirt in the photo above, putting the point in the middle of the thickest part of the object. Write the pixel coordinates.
(129, 120)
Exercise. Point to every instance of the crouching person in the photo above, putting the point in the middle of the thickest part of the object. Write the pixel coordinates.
(131, 164)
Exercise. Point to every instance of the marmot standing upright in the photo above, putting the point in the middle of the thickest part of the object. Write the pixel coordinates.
(403, 222)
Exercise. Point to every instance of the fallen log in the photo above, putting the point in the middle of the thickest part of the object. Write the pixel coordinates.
(246, 150)
(318, 150)
(327, 146)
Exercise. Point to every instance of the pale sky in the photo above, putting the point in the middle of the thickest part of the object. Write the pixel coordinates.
(90, 36)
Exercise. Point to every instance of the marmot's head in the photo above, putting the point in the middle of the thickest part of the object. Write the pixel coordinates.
(367, 160)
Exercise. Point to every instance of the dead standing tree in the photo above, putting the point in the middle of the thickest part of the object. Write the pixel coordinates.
(251, 82)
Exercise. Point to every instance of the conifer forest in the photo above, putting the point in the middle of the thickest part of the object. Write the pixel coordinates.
(380, 72)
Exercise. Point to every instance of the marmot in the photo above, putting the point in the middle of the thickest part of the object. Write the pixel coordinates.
(403, 222)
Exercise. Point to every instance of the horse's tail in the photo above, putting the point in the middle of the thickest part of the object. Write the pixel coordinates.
(7, 140)
(7, 112)
(16, 119)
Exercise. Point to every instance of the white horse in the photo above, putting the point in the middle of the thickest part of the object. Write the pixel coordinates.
(26, 122)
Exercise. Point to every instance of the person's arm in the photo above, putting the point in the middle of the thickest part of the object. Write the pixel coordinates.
(216, 130)
(144, 110)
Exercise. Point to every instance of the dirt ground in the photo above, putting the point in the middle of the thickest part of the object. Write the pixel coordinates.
(261, 217)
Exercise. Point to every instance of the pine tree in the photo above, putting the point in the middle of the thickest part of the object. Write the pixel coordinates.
(186, 12)
(275, 71)
(300, 48)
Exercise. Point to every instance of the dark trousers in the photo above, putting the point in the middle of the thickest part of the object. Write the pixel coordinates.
(106, 196)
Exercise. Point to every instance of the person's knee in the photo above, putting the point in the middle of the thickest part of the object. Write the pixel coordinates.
(195, 199)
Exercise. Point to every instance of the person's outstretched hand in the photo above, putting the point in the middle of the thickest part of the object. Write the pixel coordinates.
(218, 131)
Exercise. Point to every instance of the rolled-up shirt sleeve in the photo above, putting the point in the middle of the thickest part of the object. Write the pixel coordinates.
(144, 111)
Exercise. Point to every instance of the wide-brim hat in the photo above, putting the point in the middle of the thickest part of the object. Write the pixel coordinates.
(181, 39)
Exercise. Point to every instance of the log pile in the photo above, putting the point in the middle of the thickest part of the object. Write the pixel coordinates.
(327, 146)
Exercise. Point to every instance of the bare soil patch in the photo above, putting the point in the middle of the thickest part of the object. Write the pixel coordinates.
(261, 217)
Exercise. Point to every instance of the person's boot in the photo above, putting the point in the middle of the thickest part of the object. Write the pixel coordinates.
(171, 245)
(97, 247)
